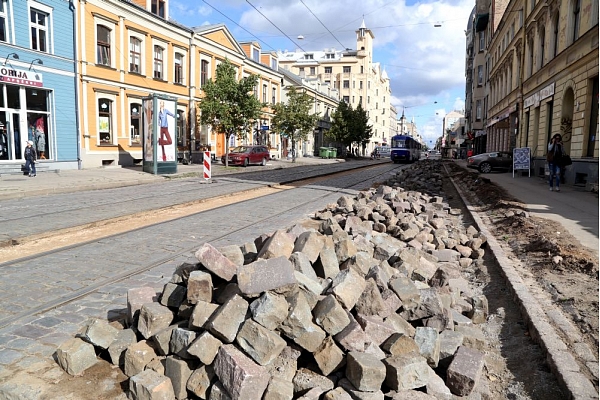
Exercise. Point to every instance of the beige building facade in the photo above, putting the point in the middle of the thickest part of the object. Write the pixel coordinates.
(543, 80)
(354, 74)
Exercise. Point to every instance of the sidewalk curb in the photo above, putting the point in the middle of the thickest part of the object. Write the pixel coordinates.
(562, 364)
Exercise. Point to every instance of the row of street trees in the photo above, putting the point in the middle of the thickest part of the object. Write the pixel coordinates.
(229, 106)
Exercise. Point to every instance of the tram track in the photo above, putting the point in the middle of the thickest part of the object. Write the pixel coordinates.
(186, 212)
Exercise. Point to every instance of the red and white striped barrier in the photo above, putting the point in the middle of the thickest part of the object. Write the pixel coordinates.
(207, 165)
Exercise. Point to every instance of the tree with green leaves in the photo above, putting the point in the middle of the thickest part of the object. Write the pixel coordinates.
(350, 126)
(362, 130)
(229, 106)
(293, 119)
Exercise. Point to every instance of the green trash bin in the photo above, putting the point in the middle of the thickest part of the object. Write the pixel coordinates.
(323, 152)
(332, 152)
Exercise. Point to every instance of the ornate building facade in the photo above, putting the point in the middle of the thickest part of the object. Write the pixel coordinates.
(354, 74)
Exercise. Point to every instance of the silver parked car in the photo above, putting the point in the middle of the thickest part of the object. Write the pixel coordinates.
(486, 162)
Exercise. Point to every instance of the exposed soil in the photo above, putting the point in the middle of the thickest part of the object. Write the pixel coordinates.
(559, 271)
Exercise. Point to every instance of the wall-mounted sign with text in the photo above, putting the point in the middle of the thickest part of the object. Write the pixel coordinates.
(21, 77)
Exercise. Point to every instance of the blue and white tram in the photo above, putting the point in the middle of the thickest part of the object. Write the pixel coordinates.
(405, 148)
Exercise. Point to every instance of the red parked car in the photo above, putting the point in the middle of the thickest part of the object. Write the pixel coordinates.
(246, 155)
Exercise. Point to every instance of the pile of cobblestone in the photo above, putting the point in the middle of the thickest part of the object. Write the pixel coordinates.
(370, 304)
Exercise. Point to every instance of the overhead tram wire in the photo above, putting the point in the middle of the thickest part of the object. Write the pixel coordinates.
(313, 14)
(244, 29)
(272, 23)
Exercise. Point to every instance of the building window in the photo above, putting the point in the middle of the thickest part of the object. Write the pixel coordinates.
(360, 100)
(256, 55)
(103, 43)
(576, 21)
(368, 99)
(481, 41)
(330, 56)
(327, 70)
(308, 56)
(178, 68)
(313, 70)
(158, 62)
(274, 64)
(479, 75)
(369, 85)
(362, 69)
(542, 45)
(273, 95)
(360, 86)
(346, 69)
(3, 23)
(478, 110)
(203, 72)
(346, 99)
(264, 94)
(327, 82)
(158, 8)
(38, 24)
(555, 28)
(376, 105)
(346, 84)
(135, 54)
(135, 122)
(530, 66)
(105, 121)
(256, 91)
(352, 99)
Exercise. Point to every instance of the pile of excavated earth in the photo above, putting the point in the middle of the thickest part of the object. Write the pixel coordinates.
(366, 303)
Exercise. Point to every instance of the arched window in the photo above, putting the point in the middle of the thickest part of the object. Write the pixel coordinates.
(105, 121)
(158, 62)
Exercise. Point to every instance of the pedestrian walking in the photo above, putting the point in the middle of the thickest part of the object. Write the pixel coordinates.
(30, 158)
(554, 156)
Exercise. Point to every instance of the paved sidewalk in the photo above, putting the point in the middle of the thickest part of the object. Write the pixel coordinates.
(575, 208)
(65, 181)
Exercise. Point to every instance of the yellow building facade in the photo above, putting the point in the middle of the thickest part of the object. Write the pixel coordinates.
(127, 52)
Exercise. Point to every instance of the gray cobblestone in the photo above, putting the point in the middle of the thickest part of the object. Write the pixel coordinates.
(8, 356)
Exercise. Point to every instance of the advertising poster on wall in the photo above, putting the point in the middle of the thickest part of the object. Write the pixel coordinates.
(159, 126)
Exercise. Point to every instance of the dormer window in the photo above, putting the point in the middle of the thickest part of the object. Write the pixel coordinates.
(308, 56)
(330, 56)
(158, 8)
(256, 55)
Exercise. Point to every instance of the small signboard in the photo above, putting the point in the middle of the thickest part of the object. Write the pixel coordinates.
(522, 159)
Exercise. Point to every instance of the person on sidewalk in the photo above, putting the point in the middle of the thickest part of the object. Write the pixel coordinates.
(555, 153)
(30, 158)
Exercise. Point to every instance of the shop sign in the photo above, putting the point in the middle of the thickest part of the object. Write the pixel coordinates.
(264, 127)
(479, 133)
(531, 100)
(21, 77)
(547, 91)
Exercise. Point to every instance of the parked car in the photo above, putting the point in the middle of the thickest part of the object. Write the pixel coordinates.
(246, 155)
(486, 162)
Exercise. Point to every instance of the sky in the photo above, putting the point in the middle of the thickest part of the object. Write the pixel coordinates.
(425, 62)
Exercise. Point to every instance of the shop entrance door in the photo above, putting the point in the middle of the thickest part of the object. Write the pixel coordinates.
(12, 142)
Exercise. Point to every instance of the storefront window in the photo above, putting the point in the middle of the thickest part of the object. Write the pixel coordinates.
(36, 99)
(104, 121)
(12, 96)
(135, 122)
(3, 25)
(37, 131)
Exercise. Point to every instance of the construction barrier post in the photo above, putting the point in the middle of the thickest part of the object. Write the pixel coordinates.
(207, 165)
